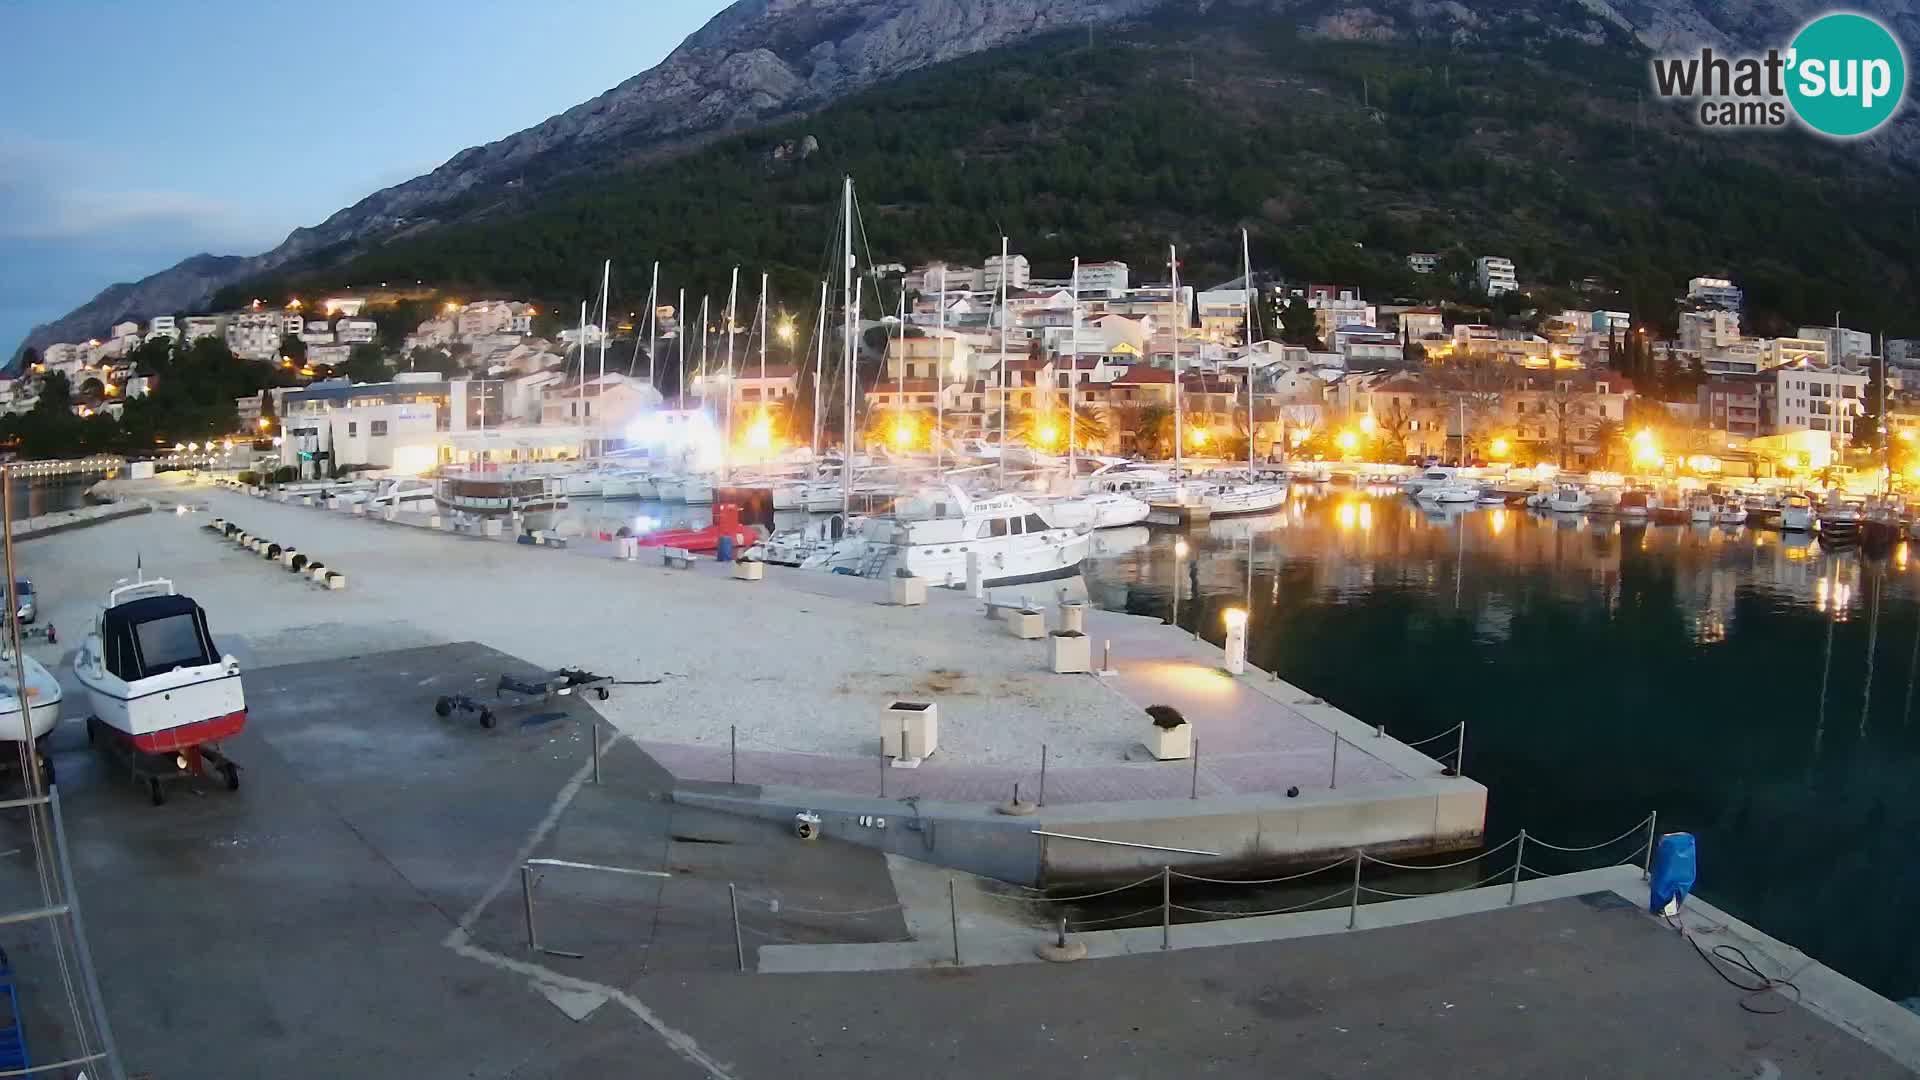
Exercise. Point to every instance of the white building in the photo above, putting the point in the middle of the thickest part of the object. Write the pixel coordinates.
(255, 335)
(329, 355)
(1423, 262)
(1104, 278)
(195, 327)
(1018, 273)
(317, 332)
(1709, 330)
(1417, 324)
(1332, 313)
(162, 326)
(1495, 275)
(1811, 398)
(1719, 292)
(355, 331)
(1800, 350)
(1848, 343)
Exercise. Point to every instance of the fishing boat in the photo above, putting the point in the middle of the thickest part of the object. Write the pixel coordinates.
(162, 695)
(534, 500)
(1569, 499)
(1701, 510)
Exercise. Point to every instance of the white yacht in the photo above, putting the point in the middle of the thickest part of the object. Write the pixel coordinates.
(1430, 477)
(1700, 510)
(1100, 510)
(1014, 544)
(1452, 492)
(1226, 500)
(1569, 499)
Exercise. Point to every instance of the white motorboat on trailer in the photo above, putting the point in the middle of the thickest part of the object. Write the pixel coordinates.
(162, 695)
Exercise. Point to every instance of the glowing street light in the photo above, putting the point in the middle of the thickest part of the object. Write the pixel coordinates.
(1047, 435)
(902, 434)
(1197, 436)
(1180, 549)
(785, 331)
(264, 424)
(1347, 441)
(1368, 424)
(1499, 448)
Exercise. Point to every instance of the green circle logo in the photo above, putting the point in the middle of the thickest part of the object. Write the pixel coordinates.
(1847, 75)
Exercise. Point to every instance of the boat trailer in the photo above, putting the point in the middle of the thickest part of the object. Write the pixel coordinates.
(157, 769)
(562, 683)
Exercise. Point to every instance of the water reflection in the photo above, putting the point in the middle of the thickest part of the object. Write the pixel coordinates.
(1735, 679)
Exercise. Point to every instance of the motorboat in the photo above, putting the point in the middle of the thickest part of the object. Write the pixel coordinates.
(1880, 525)
(1127, 478)
(1099, 510)
(405, 493)
(1541, 498)
(1635, 505)
(1430, 477)
(1311, 472)
(532, 500)
(1227, 500)
(162, 694)
(1492, 496)
(1005, 535)
(1569, 499)
(1731, 512)
(41, 703)
(1606, 500)
(1840, 520)
(626, 484)
(1701, 510)
(1453, 492)
(1796, 514)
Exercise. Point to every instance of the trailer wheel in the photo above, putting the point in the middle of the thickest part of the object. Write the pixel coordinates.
(602, 693)
(231, 774)
(486, 718)
(156, 791)
(443, 707)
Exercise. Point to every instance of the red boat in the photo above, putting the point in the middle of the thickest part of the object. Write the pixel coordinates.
(726, 523)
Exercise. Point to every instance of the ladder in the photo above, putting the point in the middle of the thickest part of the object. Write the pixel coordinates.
(877, 559)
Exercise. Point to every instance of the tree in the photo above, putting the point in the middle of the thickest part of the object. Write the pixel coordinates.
(1866, 425)
(366, 364)
(293, 348)
(92, 390)
(1605, 435)
(153, 357)
(1297, 326)
(29, 356)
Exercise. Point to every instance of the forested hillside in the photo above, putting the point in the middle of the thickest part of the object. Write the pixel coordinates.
(1340, 157)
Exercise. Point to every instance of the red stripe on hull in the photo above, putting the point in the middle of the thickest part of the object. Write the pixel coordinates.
(187, 735)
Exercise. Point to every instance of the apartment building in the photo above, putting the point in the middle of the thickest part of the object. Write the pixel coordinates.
(1813, 398)
(1495, 275)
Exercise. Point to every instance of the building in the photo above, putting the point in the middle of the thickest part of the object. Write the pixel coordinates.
(1495, 275)
(255, 335)
(1709, 330)
(1780, 352)
(1018, 274)
(1366, 346)
(928, 355)
(355, 331)
(1423, 262)
(1104, 278)
(1841, 342)
(602, 407)
(1418, 324)
(1741, 405)
(1608, 323)
(390, 425)
(317, 332)
(1716, 292)
(162, 326)
(1223, 314)
(1332, 313)
(1814, 398)
(195, 327)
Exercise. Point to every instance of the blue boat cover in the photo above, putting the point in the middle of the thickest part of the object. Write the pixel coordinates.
(1673, 871)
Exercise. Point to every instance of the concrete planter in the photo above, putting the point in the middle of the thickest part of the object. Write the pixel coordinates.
(910, 731)
(749, 571)
(1071, 652)
(1027, 625)
(492, 527)
(360, 509)
(335, 580)
(306, 500)
(906, 591)
(317, 571)
(1170, 744)
(1073, 618)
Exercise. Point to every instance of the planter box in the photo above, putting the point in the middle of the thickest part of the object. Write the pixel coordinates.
(336, 581)
(1170, 745)
(306, 500)
(910, 730)
(906, 591)
(1072, 653)
(317, 573)
(749, 571)
(1027, 625)
(492, 527)
(360, 509)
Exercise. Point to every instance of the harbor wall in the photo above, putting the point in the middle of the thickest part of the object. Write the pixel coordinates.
(64, 520)
(1266, 833)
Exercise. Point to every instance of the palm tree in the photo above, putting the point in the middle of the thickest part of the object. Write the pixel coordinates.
(1606, 434)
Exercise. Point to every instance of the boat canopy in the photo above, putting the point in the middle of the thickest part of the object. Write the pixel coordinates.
(154, 635)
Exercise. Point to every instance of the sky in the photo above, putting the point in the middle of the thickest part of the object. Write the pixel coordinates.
(134, 134)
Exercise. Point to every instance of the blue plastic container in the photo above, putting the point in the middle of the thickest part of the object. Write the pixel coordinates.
(1674, 868)
(725, 552)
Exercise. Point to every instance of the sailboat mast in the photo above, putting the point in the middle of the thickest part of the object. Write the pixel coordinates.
(940, 379)
(1173, 303)
(902, 393)
(653, 315)
(819, 367)
(606, 317)
(1003, 362)
(851, 313)
(726, 450)
(1246, 264)
(761, 396)
(680, 333)
(1073, 376)
(580, 402)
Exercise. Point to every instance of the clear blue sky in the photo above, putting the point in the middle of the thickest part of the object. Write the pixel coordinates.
(134, 134)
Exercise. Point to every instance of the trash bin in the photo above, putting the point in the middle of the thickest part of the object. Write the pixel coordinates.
(725, 552)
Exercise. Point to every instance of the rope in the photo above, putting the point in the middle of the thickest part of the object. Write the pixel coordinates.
(1113, 918)
(1073, 899)
(1276, 911)
(1733, 957)
(1593, 847)
(785, 908)
(1434, 738)
(1443, 866)
(1263, 881)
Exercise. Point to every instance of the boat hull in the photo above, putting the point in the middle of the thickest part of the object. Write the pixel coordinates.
(180, 708)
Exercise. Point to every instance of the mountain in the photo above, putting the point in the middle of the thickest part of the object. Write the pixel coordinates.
(762, 60)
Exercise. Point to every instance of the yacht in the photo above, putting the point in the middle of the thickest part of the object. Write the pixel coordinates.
(1100, 510)
(156, 682)
(1796, 514)
(1635, 505)
(1839, 520)
(404, 493)
(1731, 511)
(1433, 476)
(1128, 478)
(535, 499)
(1452, 492)
(1606, 500)
(697, 490)
(1227, 500)
(1569, 499)
(1013, 542)
(1701, 510)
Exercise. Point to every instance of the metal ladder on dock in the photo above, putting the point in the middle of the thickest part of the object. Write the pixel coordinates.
(876, 560)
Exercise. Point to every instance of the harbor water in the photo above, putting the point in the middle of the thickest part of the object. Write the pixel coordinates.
(1751, 686)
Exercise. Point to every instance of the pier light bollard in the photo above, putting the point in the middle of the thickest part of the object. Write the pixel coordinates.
(1073, 617)
(1236, 643)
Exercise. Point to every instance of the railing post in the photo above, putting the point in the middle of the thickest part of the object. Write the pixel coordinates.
(733, 753)
(1653, 830)
(1460, 752)
(1333, 780)
(1043, 775)
(1353, 904)
(1519, 859)
(953, 921)
(739, 949)
(526, 901)
(593, 726)
(1166, 907)
(1195, 793)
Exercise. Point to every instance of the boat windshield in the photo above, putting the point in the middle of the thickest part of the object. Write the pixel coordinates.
(170, 642)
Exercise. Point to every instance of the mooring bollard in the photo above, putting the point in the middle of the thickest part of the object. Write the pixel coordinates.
(1195, 793)
(733, 754)
(1353, 904)
(593, 728)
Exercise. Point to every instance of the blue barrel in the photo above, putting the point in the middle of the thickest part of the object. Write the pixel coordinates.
(725, 554)
(1675, 865)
